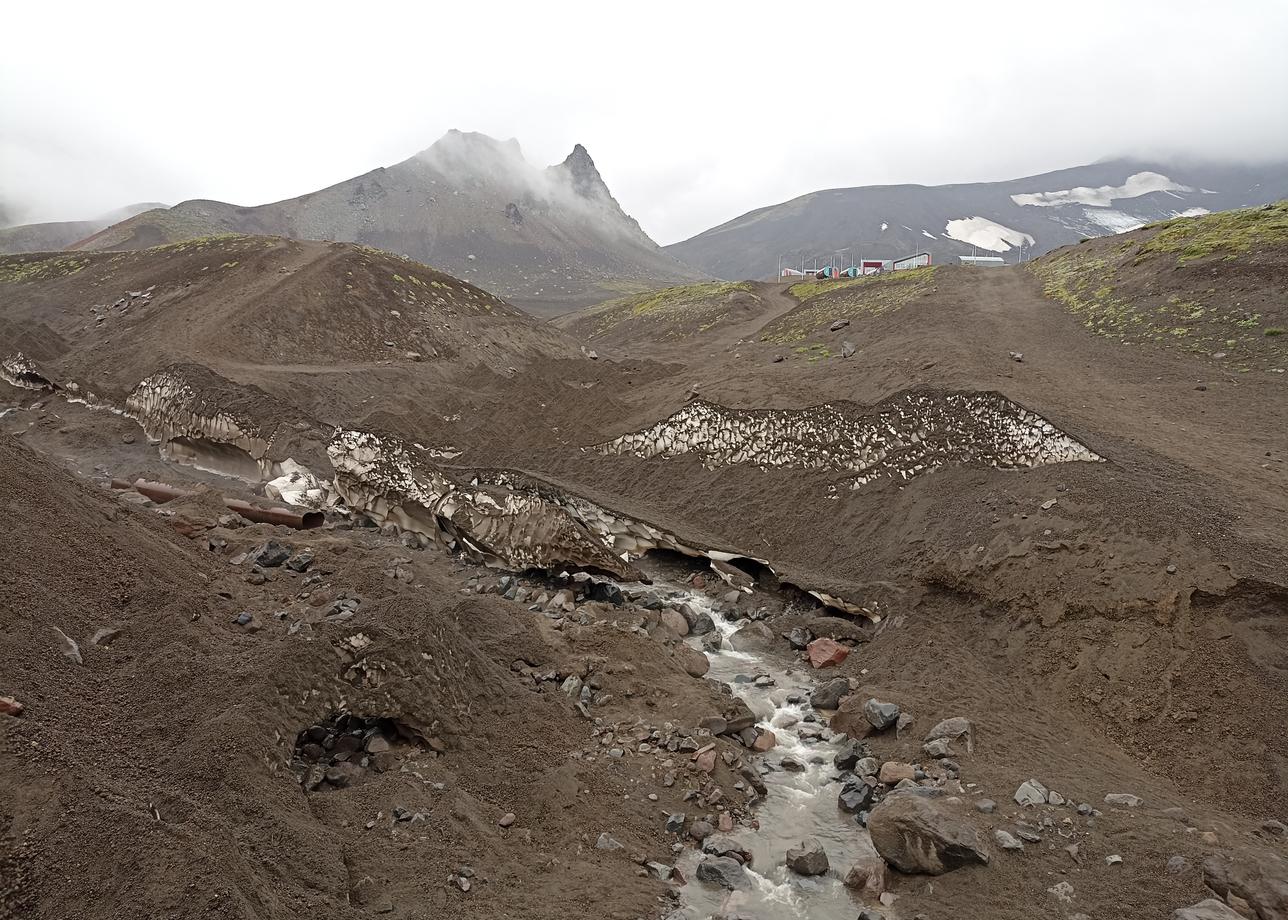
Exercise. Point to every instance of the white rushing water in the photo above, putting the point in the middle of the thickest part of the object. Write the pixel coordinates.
(801, 799)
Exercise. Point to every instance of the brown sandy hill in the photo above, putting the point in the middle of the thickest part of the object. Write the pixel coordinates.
(107, 320)
(548, 240)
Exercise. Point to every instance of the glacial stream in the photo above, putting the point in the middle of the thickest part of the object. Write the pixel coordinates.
(801, 800)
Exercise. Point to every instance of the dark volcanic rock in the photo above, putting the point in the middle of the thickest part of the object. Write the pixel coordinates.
(921, 836)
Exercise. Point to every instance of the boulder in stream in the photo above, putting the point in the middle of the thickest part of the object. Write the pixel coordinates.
(868, 874)
(807, 858)
(753, 637)
(724, 871)
(921, 836)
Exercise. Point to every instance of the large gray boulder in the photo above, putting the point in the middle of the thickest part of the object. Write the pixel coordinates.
(921, 836)
(1260, 878)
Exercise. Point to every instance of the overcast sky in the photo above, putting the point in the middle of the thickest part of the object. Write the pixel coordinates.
(694, 112)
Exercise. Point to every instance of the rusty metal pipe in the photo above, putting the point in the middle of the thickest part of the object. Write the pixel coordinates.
(161, 493)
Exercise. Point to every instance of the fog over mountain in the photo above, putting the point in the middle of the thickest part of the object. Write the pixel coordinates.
(693, 125)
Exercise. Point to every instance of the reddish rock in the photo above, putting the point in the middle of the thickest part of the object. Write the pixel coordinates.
(698, 581)
(764, 741)
(706, 760)
(11, 707)
(725, 823)
(894, 772)
(826, 653)
(676, 623)
(695, 663)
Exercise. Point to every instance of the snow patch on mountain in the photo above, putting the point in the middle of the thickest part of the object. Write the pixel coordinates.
(1141, 183)
(986, 234)
(1113, 220)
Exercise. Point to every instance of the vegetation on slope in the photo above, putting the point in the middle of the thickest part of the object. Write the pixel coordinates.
(670, 314)
(1213, 285)
(824, 302)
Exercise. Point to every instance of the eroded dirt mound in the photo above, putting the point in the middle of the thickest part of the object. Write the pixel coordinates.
(165, 692)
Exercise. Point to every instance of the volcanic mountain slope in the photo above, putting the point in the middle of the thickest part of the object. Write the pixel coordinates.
(548, 240)
(56, 235)
(993, 218)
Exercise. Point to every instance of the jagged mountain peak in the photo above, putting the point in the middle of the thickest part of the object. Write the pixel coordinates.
(584, 175)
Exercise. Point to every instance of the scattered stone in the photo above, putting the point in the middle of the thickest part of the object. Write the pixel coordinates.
(11, 707)
(1063, 892)
(1031, 792)
(856, 795)
(105, 636)
(799, 638)
(1177, 865)
(300, 562)
(271, 554)
(1007, 841)
(985, 806)
(606, 842)
(1274, 828)
(1016, 356)
(70, 649)
(724, 871)
(880, 715)
(952, 729)
(700, 830)
(1208, 909)
(807, 858)
(829, 694)
(1055, 798)
(675, 823)
(507, 819)
(1171, 570)
(847, 349)
(765, 741)
(1124, 799)
(838, 325)
(920, 836)
(936, 749)
(826, 653)
(1113, 860)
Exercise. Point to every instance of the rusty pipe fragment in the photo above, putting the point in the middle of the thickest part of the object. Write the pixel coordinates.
(161, 493)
